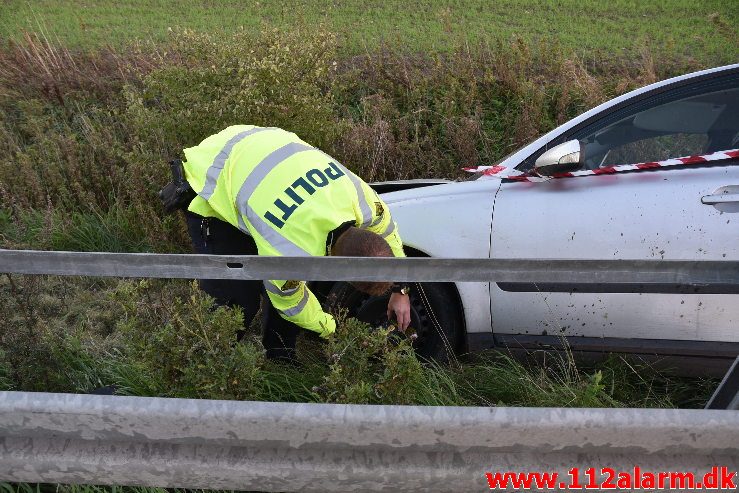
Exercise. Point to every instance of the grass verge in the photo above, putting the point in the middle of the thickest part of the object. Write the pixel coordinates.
(85, 139)
(166, 338)
(595, 29)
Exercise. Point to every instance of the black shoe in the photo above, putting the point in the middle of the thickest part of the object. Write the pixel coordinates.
(283, 355)
(107, 390)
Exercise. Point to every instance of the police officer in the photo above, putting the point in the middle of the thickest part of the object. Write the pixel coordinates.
(264, 191)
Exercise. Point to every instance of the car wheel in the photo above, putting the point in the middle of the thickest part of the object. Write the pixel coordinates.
(435, 315)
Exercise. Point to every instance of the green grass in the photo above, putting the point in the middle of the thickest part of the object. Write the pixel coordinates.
(704, 30)
(111, 231)
(164, 338)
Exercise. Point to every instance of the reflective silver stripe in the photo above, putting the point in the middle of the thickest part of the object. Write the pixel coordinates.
(260, 172)
(272, 288)
(389, 230)
(211, 176)
(364, 206)
(273, 237)
(291, 312)
(242, 224)
(265, 166)
(378, 220)
(275, 290)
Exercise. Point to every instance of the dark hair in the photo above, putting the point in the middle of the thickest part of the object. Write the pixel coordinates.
(355, 242)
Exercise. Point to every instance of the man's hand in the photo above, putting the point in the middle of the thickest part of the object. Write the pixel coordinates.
(400, 306)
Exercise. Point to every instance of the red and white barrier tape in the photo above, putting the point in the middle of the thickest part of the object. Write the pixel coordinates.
(503, 172)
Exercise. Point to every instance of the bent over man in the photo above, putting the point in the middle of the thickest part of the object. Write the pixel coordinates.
(264, 191)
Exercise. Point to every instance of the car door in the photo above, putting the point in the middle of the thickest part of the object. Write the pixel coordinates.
(657, 213)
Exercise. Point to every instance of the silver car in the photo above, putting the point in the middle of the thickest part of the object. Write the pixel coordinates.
(662, 210)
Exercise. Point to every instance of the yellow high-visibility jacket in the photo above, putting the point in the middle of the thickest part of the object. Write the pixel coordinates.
(288, 196)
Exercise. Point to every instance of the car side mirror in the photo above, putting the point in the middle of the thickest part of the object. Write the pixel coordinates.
(560, 159)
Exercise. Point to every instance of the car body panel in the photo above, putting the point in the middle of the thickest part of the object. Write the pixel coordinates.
(396, 185)
(465, 211)
(643, 215)
(640, 215)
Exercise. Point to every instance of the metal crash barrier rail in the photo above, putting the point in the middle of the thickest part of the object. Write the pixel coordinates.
(722, 274)
(184, 443)
(268, 446)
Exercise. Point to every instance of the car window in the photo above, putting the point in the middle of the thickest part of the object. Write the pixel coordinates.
(677, 128)
(649, 149)
(697, 119)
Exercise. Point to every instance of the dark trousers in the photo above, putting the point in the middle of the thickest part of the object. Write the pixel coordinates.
(215, 237)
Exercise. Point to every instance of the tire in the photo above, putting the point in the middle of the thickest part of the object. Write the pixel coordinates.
(436, 316)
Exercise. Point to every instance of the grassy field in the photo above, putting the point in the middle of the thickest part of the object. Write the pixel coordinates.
(704, 30)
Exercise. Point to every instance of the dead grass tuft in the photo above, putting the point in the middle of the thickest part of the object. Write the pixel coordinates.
(39, 67)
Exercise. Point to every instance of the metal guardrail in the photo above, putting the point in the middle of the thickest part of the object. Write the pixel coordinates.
(69, 438)
(628, 272)
(726, 395)
(187, 443)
